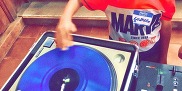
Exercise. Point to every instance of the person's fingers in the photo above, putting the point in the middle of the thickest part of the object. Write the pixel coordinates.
(63, 35)
(69, 36)
(58, 37)
(73, 28)
(63, 39)
(66, 41)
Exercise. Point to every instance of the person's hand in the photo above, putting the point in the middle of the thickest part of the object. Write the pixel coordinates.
(63, 35)
(180, 52)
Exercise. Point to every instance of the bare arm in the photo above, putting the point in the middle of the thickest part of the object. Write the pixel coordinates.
(65, 26)
(165, 39)
(180, 52)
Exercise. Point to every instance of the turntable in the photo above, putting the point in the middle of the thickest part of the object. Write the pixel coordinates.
(92, 64)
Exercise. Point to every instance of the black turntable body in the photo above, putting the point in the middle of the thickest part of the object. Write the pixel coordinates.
(92, 64)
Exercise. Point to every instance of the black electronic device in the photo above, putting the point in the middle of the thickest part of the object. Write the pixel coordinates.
(159, 77)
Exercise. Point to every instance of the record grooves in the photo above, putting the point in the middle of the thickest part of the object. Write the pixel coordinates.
(80, 68)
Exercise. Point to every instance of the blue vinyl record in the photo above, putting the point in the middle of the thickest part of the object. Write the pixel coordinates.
(79, 68)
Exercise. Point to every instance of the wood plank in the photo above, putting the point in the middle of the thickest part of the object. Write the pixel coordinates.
(54, 21)
(4, 21)
(54, 9)
(6, 11)
(11, 8)
(10, 36)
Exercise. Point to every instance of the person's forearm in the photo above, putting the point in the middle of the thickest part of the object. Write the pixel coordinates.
(165, 34)
(71, 7)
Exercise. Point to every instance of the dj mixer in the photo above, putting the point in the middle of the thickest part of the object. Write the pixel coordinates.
(159, 77)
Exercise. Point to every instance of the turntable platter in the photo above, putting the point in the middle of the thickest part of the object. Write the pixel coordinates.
(80, 68)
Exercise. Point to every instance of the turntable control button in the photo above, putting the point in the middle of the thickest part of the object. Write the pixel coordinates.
(175, 79)
(175, 83)
(48, 43)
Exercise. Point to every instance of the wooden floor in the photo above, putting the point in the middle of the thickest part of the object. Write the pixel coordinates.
(19, 50)
(31, 33)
